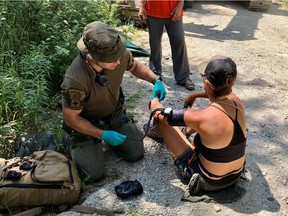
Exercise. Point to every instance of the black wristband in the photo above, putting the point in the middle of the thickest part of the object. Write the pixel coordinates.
(176, 118)
(158, 77)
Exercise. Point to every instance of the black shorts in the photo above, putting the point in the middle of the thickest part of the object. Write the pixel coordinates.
(187, 164)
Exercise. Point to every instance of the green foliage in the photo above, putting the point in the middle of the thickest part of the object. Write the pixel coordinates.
(56, 25)
(134, 212)
(84, 182)
(71, 19)
(127, 30)
(24, 93)
(285, 3)
(59, 133)
(38, 43)
(24, 89)
(6, 129)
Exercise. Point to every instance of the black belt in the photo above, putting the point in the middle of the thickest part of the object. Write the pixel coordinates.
(66, 128)
(99, 120)
(95, 121)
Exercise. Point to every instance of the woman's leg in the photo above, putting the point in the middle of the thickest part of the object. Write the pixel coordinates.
(178, 145)
(173, 138)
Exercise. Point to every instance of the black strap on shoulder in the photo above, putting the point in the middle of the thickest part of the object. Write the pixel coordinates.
(236, 114)
(221, 111)
(236, 107)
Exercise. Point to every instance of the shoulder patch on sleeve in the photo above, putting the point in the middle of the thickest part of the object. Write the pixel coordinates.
(76, 97)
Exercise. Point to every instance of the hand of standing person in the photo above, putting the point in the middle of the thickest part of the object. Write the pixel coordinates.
(177, 11)
(142, 11)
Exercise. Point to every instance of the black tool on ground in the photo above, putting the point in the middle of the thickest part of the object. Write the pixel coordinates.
(128, 188)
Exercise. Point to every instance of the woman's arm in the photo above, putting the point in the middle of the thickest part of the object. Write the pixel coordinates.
(189, 118)
(189, 101)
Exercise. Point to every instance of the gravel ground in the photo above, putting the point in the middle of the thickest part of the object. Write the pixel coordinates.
(258, 43)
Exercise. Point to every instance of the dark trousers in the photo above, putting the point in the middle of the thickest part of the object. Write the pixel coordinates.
(88, 154)
(176, 36)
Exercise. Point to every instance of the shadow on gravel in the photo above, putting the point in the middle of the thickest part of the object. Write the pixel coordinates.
(234, 30)
(252, 201)
(266, 151)
(260, 132)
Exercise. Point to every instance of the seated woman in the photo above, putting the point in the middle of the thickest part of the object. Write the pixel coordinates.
(216, 157)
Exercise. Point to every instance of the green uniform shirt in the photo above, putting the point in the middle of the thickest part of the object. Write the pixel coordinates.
(81, 91)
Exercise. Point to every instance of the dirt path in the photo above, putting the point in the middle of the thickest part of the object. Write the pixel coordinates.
(258, 42)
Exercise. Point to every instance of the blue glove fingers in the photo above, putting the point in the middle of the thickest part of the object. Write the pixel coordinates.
(113, 138)
(153, 95)
(159, 90)
(162, 96)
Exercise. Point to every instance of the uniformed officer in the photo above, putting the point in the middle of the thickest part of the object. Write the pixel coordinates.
(93, 103)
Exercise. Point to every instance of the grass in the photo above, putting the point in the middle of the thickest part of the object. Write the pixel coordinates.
(134, 212)
(285, 3)
(33, 58)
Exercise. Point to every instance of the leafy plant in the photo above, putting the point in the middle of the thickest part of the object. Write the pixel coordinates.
(285, 3)
(55, 25)
(84, 182)
(134, 212)
(38, 43)
(24, 88)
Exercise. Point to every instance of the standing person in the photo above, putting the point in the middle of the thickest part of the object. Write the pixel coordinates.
(169, 14)
(93, 102)
(216, 157)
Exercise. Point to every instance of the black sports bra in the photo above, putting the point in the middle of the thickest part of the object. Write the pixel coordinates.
(235, 149)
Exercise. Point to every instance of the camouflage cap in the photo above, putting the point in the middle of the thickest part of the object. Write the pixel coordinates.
(218, 70)
(102, 42)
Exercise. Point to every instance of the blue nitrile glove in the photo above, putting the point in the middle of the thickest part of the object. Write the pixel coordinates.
(113, 138)
(159, 91)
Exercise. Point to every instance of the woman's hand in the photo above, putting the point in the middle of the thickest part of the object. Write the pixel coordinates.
(189, 101)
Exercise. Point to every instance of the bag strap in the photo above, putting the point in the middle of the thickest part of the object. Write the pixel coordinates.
(75, 208)
(7, 166)
(93, 210)
(31, 212)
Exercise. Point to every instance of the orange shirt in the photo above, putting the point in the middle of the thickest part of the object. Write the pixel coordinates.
(161, 9)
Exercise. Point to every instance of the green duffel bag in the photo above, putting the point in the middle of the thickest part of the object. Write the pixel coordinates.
(43, 178)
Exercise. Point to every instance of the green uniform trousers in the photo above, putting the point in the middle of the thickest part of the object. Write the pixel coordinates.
(87, 152)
